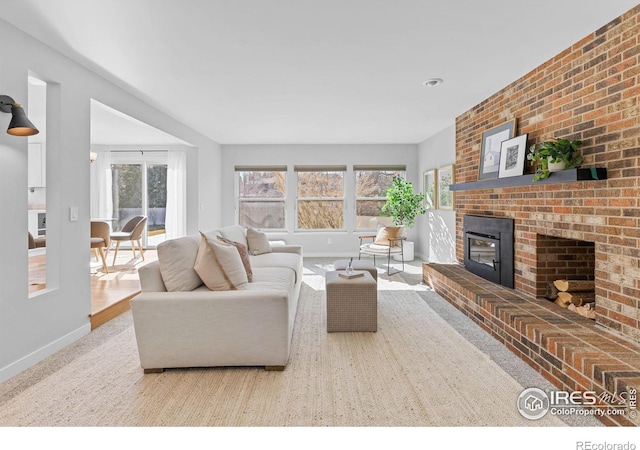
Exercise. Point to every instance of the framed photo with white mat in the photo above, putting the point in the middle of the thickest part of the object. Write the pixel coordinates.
(512, 156)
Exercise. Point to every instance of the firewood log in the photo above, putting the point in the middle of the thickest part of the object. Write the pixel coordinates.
(575, 285)
(563, 302)
(577, 298)
(585, 312)
(552, 291)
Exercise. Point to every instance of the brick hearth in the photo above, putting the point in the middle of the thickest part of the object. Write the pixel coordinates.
(569, 350)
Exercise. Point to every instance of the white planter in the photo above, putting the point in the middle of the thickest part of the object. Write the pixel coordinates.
(407, 247)
(555, 167)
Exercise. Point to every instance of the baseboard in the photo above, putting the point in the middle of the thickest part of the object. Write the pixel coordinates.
(337, 255)
(35, 357)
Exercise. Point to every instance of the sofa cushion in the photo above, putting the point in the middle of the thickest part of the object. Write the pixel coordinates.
(219, 265)
(244, 255)
(176, 258)
(273, 278)
(234, 233)
(257, 242)
(292, 261)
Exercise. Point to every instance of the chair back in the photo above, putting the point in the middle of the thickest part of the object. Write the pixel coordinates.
(131, 224)
(101, 229)
(32, 241)
(139, 228)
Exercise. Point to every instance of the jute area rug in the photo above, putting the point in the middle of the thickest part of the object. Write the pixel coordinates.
(416, 370)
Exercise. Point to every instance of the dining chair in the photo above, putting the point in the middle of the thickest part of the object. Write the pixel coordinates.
(101, 240)
(132, 231)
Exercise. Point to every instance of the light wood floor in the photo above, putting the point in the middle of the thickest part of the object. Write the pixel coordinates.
(110, 292)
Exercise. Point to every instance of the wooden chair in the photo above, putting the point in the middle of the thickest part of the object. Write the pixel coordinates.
(101, 239)
(132, 231)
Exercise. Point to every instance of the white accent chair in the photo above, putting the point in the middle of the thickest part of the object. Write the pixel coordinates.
(387, 246)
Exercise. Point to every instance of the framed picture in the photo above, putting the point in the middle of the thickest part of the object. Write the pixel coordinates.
(512, 156)
(429, 185)
(445, 178)
(491, 143)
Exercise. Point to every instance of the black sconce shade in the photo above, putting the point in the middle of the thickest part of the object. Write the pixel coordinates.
(20, 125)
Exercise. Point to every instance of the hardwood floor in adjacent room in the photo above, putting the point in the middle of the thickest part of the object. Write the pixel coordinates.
(110, 292)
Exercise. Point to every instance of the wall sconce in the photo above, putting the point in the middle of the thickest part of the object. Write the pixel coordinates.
(20, 125)
(92, 157)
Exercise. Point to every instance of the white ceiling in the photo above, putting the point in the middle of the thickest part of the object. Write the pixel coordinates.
(311, 71)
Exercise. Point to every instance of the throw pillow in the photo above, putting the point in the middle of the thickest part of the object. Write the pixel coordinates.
(176, 258)
(219, 265)
(236, 233)
(258, 242)
(384, 234)
(244, 255)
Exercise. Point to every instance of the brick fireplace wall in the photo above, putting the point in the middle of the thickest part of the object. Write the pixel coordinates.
(590, 92)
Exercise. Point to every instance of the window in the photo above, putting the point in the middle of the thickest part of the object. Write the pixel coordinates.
(320, 199)
(262, 197)
(371, 191)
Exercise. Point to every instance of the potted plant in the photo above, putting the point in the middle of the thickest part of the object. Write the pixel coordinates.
(554, 155)
(402, 204)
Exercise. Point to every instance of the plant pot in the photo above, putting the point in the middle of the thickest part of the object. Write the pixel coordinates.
(555, 167)
(408, 249)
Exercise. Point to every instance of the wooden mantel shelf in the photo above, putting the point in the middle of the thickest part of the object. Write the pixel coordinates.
(565, 176)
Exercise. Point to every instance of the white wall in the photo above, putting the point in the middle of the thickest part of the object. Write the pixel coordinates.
(315, 243)
(436, 241)
(32, 328)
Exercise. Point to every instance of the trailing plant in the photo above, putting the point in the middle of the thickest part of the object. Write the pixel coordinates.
(402, 204)
(554, 151)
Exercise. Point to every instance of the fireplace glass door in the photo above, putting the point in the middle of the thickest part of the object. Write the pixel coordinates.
(482, 256)
(482, 250)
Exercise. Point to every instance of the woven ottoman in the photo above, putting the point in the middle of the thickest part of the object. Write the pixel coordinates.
(352, 304)
(342, 264)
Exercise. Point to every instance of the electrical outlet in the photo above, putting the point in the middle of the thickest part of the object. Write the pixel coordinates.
(329, 241)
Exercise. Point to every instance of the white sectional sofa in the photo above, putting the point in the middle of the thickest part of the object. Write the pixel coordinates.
(179, 325)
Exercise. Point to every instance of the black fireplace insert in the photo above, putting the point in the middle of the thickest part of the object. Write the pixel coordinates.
(488, 248)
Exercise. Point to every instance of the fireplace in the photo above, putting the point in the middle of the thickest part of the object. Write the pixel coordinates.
(488, 248)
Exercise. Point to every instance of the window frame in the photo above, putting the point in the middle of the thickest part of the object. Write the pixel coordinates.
(327, 169)
(239, 200)
(401, 170)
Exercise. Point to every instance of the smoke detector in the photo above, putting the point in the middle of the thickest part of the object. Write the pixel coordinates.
(432, 82)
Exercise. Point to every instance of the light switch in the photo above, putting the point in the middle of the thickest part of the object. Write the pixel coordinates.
(73, 214)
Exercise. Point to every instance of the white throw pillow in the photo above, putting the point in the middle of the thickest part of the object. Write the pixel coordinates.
(219, 265)
(257, 242)
(176, 258)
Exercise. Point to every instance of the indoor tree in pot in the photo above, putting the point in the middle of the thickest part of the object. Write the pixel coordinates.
(403, 205)
(554, 155)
